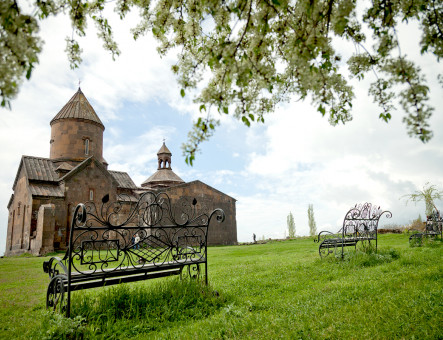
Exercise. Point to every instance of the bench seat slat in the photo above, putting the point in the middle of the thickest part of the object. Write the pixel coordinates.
(122, 271)
(109, 281)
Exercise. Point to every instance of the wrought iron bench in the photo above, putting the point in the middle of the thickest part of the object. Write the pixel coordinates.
(434, 228)
(359, 227)
(129, 240)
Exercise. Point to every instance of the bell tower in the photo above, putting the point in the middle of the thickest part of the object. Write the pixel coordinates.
(164, 177)
(164, 157)
(76, 132)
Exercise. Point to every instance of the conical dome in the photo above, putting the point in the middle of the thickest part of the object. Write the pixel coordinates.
(78, 107)
(164, 150)
(76, 132)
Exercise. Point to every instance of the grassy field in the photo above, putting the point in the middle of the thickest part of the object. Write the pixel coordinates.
(265, 291)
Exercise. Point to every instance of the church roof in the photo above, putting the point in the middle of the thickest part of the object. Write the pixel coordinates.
(42, 176)
(64, 167)
(78, 107)
(163, 176)
(46, 190)
(164, 149)
(123, 179)
(37, 169)
(44, 180)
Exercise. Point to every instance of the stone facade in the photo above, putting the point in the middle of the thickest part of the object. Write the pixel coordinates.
(47, 190)
(208, 199)
(73, 141)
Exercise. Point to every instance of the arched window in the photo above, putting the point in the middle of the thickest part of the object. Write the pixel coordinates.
(86, 146)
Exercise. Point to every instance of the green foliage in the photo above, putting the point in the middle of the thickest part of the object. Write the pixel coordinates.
(168, 301)
(311, 221)
(258, 54)
(19, 48)
(203, 129)
(428, 195)
(56, 326)
(129, 310)
(426, 241)
(291, 225)
(417, 224)
(367, 258)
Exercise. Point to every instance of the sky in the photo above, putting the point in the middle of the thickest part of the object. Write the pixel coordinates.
(295, 159)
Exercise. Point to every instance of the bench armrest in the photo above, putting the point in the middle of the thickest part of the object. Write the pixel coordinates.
(324, 235)
(54, 267)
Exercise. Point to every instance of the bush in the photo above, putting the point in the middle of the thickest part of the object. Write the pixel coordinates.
(156, 304)
(56, 326)
(368, 258)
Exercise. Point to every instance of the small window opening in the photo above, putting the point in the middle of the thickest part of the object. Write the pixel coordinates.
(86, 146)
(91, 194)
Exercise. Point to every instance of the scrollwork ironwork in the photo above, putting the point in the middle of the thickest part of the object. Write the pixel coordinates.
(55, 295)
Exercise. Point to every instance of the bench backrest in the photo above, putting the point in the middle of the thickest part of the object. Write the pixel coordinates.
(362, 221)
(133, 233)
(434, 223)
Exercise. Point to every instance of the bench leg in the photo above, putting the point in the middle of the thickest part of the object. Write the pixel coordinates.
(191, 271)
(55, 295)
(326, 249)
(206, 273)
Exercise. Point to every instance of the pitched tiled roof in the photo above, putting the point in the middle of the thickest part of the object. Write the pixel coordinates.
(78, 107)
(38, 189)
(37, 168)
(123, 179)
(163, 176)
(40, 172)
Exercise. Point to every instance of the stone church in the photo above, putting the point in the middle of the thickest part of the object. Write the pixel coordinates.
(47, 190)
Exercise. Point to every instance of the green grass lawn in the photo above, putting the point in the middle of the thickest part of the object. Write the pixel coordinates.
(265, 291)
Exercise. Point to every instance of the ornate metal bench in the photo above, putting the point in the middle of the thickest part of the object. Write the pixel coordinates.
(434, 228)
(129, 240)
(359, 226)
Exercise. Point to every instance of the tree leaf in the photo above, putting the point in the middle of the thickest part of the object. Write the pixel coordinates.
(246, 121)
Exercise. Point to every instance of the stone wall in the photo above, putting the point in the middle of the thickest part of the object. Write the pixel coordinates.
(43, 243)
(68, 140)
(209, 199)
(19, 218)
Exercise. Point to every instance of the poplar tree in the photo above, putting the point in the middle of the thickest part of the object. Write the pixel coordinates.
(311, 221)
(291, 225)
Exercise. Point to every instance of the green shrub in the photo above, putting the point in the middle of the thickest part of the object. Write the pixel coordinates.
(56, 326)
(167, 301)
(368, 258)
(425, 241)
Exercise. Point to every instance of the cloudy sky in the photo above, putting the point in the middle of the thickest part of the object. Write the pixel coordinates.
(295, 159)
